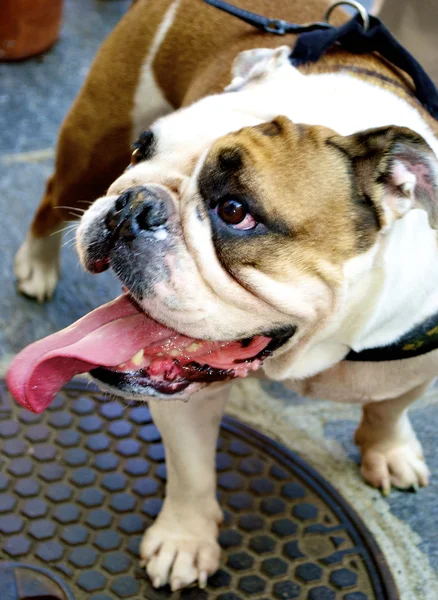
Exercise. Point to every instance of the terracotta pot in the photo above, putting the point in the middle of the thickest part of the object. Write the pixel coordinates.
(28, 27)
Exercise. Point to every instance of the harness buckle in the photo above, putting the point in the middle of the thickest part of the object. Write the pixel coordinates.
(277, 26)
(360, 9)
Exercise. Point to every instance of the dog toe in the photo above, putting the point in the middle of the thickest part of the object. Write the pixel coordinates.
(400, 465)
(181, 551)
(36, 267)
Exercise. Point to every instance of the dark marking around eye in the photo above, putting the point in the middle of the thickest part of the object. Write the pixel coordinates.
(145, 147)
(230, 159)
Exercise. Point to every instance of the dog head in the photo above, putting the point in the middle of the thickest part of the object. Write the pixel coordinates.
(246, 243)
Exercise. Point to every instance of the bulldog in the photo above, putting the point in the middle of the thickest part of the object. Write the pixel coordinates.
(280, 227)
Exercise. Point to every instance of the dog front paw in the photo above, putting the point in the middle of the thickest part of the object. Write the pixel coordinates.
(181, 547)
(399, 464)
(36, 266)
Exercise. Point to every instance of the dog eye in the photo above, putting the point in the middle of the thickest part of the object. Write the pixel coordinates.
(235, 213)
(143, 148)
(135, 157)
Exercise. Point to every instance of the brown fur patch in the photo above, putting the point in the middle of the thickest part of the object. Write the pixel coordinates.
(372, 153)
(301, 190)
(196, 56)
(99, 119)
(319, 198)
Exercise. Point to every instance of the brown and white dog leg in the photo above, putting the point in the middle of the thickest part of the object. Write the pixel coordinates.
(391, 452)
(181, 546)
(82, 173)
(36, 263)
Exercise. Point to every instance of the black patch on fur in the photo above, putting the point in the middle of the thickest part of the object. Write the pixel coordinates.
(271, 129)
(230, 159)
(234, 246)
(283, 332)
(220, 179)
(280, 335)
(366, 216)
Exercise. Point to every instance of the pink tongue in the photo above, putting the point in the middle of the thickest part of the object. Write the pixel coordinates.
(106, 337)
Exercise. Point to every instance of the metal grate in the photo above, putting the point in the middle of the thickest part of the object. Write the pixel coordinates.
(81, 482)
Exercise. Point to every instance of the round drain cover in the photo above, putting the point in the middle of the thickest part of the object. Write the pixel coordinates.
(80, 483)
(26, 582)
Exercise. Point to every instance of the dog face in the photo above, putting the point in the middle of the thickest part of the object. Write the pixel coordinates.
(249, 236)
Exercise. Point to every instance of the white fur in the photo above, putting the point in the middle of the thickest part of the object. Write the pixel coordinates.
(384, 297)
(149, 100)
(181, 546)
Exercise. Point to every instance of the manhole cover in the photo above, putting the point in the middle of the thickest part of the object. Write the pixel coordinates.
(25, 582)
(81, 482)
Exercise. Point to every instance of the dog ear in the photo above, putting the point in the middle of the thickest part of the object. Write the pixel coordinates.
(395, 170)
(254, 65)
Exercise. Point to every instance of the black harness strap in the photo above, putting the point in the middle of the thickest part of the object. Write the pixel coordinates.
(421, 339)
(354, 38)
(316, 39)
(276, 26)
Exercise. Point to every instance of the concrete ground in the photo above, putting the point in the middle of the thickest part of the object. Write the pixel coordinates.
(34, 97)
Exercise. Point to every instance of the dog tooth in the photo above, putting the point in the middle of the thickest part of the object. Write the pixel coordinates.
(193, 347)
(138, 358)
(202, 579)
(175, 353)
(122, 366)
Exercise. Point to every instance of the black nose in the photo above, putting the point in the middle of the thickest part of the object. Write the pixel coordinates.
(138, 209)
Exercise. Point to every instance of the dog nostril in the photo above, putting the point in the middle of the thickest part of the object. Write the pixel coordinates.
(122, 200)
(152, 215)
(112, 219)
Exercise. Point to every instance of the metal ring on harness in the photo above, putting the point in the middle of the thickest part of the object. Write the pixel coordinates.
(360, 9)
(277, 26)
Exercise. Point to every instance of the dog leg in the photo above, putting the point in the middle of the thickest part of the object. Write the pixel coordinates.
(181, 546)
(81, 175)
(36, 263)
(391, 452)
